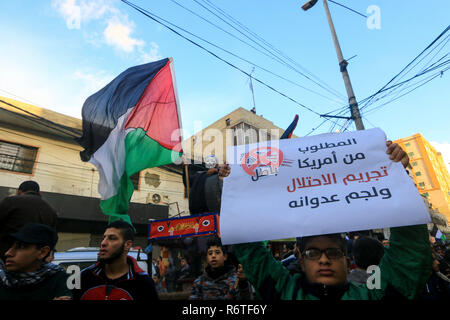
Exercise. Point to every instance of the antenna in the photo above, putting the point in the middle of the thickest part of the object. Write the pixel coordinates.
(251, 88)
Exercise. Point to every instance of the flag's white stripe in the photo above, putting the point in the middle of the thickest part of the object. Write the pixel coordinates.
(110, 159)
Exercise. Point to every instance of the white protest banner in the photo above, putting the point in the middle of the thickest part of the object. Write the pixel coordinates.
(322, 184)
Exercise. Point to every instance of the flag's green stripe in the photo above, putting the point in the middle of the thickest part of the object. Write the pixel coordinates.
(141, 152)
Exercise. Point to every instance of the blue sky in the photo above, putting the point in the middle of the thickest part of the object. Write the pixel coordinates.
(55, 53)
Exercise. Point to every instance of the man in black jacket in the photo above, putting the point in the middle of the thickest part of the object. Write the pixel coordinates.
(116, 276)
(26, 207)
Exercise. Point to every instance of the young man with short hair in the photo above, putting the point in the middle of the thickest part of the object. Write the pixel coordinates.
(367, 252)
(25, 275)
(220, 280)
(404, 268)
(116, 276)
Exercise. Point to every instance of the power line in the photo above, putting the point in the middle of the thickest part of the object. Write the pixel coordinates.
(223, 13)
(398, 88)
(21, 98)
(43, 121)
(21, 135)
(427, 80)
(231, 53)
(151, 16)
(407, 66)
(227, 51)
(354, 11)
(166, 170)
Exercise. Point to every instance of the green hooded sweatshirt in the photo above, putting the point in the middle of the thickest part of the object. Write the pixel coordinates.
(405, 268)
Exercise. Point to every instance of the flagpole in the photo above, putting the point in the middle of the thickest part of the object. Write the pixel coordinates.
(175, 91)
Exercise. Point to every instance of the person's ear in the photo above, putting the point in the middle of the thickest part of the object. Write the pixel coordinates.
(128, 245)
(297, 252)
(44, 251)
(225, 256)
(302, 262)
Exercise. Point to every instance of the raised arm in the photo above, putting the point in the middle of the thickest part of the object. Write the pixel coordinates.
(267, 275)
(406, 263)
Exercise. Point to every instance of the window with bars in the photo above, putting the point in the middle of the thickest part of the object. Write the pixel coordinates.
(17, 157)
(244, 133)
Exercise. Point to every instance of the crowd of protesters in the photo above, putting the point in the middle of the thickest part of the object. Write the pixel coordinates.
(327, 267)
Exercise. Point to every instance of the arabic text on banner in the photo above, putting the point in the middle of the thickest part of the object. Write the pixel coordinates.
(322, 184)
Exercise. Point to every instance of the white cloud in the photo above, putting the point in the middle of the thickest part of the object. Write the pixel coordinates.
(75, 12)
(118, 35)
(152, 55)
(118, 31)
(92, 82)
(443, 148)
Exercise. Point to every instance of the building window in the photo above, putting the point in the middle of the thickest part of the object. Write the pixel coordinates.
(244, 133)
(17, 157)
(135, 179)
(418, 173)
(414, 163)
(425, 194)
(422, 184)
(407, 144)
(410, 154)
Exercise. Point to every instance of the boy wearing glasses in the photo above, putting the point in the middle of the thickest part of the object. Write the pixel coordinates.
(404, 268)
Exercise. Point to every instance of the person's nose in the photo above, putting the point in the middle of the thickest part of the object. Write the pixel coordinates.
(104, 243)
(324, 259)
(10, 252)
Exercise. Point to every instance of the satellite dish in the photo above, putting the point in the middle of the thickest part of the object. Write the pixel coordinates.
(156, 198)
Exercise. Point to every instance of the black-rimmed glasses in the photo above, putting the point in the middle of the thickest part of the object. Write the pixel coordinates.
(315, 254)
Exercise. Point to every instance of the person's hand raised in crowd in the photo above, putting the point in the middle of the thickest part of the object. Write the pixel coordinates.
(240, 273)
(224, 170)
(212, 171)
(396, 153)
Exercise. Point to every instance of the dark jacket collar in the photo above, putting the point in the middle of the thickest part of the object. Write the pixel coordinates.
(324, 292)
(219, 272)
(134, 269)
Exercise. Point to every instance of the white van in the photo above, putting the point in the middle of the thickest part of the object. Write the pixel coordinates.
(87, 256)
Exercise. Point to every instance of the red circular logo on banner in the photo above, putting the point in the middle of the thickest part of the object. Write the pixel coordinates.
(261, 157)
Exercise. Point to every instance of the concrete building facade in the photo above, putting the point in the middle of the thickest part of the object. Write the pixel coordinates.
(239, 127)
(429, 172)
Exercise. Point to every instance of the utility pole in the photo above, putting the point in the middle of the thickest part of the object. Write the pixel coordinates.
(356, 116)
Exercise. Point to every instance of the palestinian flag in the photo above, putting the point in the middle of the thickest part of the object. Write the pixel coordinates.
(130, 125)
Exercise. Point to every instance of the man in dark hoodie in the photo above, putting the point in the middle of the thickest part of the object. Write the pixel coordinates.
(25, 207)
(220, 281)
